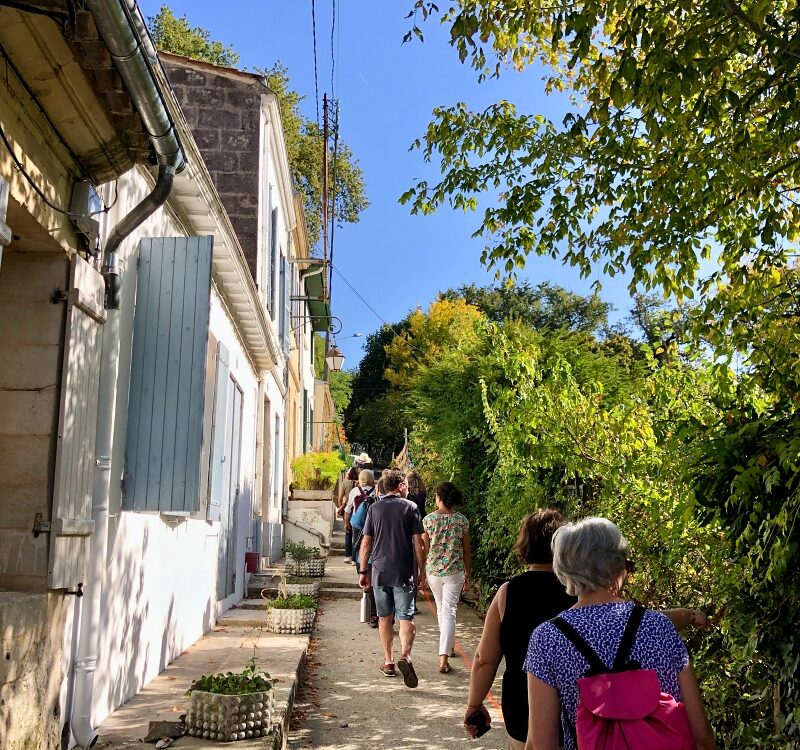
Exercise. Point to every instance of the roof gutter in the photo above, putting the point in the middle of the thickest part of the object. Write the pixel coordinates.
(125, 35)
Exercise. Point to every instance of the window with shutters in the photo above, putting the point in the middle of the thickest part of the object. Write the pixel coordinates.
(273, 257)
(168, 372)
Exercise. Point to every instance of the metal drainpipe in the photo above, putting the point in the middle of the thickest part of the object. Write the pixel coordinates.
(120, 26)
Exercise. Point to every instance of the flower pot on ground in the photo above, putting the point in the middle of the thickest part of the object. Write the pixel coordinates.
(299, 586)
(232, 706)
(302, 560)
(291, 614)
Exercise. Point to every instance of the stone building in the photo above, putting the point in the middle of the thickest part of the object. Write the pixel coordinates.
(145, 337)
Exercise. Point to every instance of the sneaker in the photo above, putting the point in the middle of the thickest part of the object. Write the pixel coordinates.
(348, 560)
(373, 621)
(388, 670)
(407, 670)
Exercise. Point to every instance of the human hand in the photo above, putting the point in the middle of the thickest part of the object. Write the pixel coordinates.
(477, 721)
(348, 527)
(364, 581)
(422, 582)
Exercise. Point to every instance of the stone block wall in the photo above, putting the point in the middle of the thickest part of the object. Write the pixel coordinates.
(223, 110)
(31, 642)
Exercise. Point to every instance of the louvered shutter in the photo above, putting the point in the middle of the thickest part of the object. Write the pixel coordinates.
(72, 523)
(219, 442)
(168, 369)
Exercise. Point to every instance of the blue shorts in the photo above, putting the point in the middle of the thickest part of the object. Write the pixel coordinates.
(395, 600)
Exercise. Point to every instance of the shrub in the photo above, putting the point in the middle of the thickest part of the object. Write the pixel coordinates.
(317, 471)
(250, 680)
(300, 551)
(298, 601)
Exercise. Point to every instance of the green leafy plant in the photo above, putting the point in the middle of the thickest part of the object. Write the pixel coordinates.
(298, 601)
(300, 551)
(317, 471)
(250, 680)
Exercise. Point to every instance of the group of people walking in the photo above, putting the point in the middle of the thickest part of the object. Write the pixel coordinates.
(585, 667)
(398, 549)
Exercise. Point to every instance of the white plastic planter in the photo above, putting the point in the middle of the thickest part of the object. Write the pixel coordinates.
(227, 718)
(290, 620)
(314, 568)
(302, 589)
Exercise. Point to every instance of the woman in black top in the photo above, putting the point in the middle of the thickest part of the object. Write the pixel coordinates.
(521, 604)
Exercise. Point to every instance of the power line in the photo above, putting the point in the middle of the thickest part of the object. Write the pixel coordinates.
(314, 35)
(333, 46)
(358, 294)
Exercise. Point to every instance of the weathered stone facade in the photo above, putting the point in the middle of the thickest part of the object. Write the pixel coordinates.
(31, 635)
(223, 110)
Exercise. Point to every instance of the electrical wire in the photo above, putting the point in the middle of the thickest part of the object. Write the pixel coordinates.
(333, 46)
(35, 187)
(314, 36)
(358, 294)
(333, 191)
(40, 192)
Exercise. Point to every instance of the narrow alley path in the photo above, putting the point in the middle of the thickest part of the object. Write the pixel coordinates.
(349, 705)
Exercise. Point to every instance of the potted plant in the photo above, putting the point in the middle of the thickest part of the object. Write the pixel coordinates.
(291, 613)
(315, 475)
(231, 706)
(302, 560)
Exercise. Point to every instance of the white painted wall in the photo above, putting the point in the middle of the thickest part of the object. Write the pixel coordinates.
(160, 593)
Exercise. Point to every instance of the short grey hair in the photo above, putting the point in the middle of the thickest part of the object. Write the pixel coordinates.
(589, 555)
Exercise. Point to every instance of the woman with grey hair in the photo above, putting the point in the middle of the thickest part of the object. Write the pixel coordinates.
(591, 558)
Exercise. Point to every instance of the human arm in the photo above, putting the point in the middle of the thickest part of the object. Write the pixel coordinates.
(681, 618)
(692, 700)
(364, 579)
(544, 711)
(420, 554)
(347, 526)
(486, 661)
(426, 540)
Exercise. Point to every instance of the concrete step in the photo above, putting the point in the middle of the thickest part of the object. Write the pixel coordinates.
(243, 618)
(341, 593)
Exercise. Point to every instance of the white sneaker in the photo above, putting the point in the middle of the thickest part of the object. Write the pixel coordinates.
(348, 560)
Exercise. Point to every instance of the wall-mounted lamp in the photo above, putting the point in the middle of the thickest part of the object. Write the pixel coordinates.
(334, 358)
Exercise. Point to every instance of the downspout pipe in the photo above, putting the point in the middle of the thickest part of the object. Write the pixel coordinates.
(122, 30)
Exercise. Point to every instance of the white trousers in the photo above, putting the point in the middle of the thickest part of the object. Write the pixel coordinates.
(446, 591)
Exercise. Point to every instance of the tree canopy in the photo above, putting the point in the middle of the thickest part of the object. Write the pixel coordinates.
(677, 162)
(177, 35)
(302, 135)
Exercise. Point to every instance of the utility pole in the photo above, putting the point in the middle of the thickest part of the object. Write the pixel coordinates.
(325, 217)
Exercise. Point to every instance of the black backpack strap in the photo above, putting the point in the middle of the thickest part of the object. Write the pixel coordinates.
(596, 665)
(628, 638)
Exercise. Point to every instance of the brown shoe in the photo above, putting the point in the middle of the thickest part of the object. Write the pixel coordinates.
(407, 670)
(388, 670)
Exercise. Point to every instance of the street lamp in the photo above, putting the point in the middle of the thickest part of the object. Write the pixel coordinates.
(351, 336)
(334, 358)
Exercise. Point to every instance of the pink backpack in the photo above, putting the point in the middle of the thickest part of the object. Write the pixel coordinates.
(623, 708)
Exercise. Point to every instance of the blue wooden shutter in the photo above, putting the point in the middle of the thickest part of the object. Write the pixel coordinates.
(285, 311)
(273, 254)
(168, 369)
(216, 495)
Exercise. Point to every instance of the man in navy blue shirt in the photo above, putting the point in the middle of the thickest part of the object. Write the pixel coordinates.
(392, 542)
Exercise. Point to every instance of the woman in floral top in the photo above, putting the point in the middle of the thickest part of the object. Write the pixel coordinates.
(449, 564)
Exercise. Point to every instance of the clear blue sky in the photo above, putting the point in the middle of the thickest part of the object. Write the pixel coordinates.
(387, 91)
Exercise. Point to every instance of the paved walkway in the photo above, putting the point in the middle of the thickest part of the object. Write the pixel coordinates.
(350, 705)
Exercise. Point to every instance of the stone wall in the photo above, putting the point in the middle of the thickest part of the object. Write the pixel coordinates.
(31, 637)
(223, 110)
